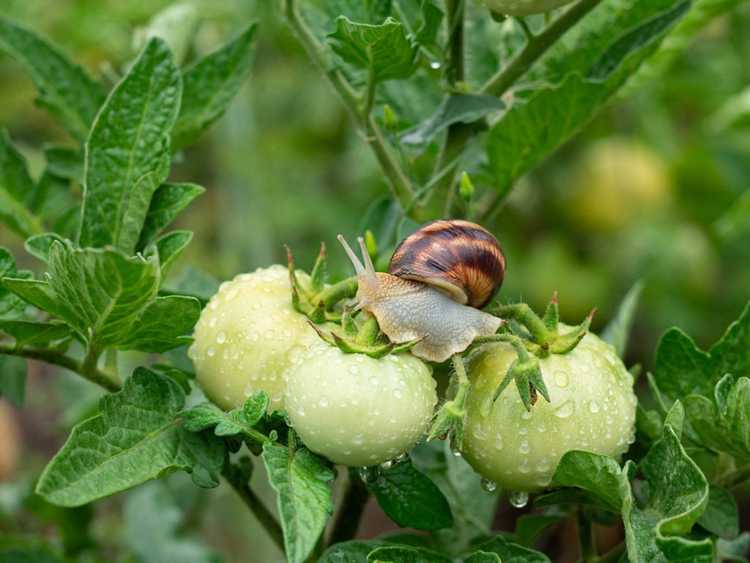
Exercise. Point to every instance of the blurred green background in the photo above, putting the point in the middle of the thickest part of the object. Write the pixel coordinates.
(645, 192)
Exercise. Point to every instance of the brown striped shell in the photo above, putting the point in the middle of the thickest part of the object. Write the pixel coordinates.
(459, 257)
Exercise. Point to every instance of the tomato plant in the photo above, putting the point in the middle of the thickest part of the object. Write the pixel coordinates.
(419, 380)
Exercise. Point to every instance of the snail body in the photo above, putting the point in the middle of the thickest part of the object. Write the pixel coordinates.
(438, 279)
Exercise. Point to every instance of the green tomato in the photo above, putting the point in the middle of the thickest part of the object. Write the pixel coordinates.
(247, 337)
(357, 410)
(592, 408)
(524, 7)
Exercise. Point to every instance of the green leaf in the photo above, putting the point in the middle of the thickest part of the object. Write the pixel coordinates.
(232, 423)
(455, 108)
(354, 551)
(101, 293)
(578, 75)
(36, 292)
(618, 329)
(404, 554)
(127, 152)
(677, 496)
(39, 245)
(471, 506)
(682, 368)
(168, 201)
(596, 474)
(723, 426)
(410, 498)
(195, 283)
(721, 516)
(135, 438)
(65, 88)
(166, 323)
(13, 379)
(209, 86)
(429, 26)
(16, 187)
(510, 552)
(734, 550)
(384, 50)
(483, 557)
(301, 480)
(13, 550)
(153, 523)
(11, 306)
(169, 247)
(34, 333)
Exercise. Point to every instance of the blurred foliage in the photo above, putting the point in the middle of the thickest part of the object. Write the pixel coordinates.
(645, 192)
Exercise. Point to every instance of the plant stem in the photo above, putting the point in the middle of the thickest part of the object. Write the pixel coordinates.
(535, 48)
(525, 315)
(613, 554)
(238, 482)
(399, 181)
(341, 290)
(106, 380)
(351, 509)
(586, 538)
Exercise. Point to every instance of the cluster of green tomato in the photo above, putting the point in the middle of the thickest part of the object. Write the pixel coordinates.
(361, 411)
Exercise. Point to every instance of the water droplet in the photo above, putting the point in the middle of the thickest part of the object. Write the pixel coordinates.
(456, 453)
(561, 379)
(368, 474)
(386, 465)
(518, 499)
(211, 352)
(434, 65)
(594, 407)
(564, 410)
(398, 394)
(524, 447)
(489, 486)
(212, 322)
(221, 337)
(525, 415)
(323, 402)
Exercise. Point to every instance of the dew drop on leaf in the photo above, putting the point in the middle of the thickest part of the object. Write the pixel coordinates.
(564, 410)
(489, 486)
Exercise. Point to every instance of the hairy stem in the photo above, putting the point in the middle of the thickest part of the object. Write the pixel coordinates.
(333, 294)
(398, 180)
(525, 315)
(238, 481)
(535, 47)
(87, 370)
(350, 512)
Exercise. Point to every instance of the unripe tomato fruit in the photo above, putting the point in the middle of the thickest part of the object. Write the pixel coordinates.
(247, 336)
(357, 410)
(524, 7)
(592, 408)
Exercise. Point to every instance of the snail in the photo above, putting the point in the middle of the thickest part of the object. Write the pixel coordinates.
(438, 280)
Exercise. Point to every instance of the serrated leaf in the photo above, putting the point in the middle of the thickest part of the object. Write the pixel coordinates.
(127, 152)
(153, 522)
(16, 187)
(723, 430)
(135, 438)
(510, 552)
(681, 368)
(404, 554)
(13, 379)
(410, 498)
(577, 77)
(455, 108)
(384, 51)
(677, 496)
(168, 201)
(65, 88)
(594, 473)
(39, 245)
(483, 557)
(169, 247)
(166, 323)
(34, 333)
(472, 507)
(618, 329)
(721, 515)
(301, 480)
(210, 84)
(237, 421)
(101, 293)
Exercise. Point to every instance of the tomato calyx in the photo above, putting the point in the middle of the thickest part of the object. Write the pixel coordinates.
(317, 300)
(449, 420)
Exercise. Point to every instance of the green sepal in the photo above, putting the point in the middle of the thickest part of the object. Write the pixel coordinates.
(319, 273)
(552, 314)
(565, 343)
(351, 345)
(450, 419)
(527, 373)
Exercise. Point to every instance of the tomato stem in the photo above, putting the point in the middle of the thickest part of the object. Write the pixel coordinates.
(350, 510)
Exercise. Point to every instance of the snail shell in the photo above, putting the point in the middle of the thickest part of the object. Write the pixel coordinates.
(460, 258)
